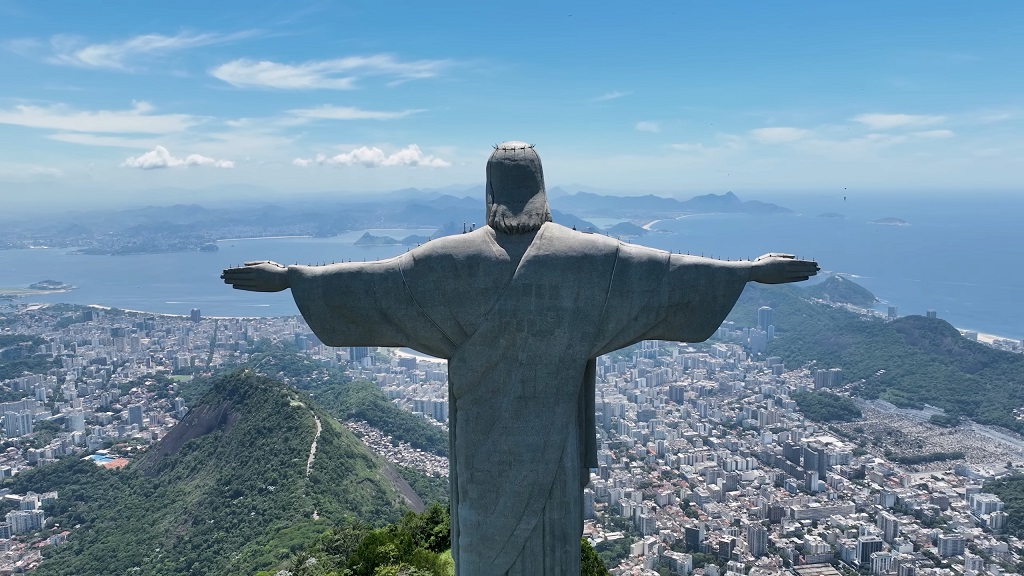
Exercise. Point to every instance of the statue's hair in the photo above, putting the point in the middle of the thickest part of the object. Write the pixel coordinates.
(503, 220)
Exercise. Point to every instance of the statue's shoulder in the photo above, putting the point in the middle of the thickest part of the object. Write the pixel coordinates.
(558, 238)
(459, 245)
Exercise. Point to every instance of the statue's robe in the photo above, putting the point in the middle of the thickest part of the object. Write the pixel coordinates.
(520, 338)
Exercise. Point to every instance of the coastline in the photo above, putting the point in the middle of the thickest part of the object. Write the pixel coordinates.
(263, 238)
(185, 316)
(985, 338)
(990, 339)
(23, 292)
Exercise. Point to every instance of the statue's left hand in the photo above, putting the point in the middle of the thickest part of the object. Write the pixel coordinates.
(259, 276)
(781, 268)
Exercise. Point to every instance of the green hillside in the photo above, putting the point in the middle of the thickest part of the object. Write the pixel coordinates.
(346, 399)
(910, 361)
(226, 492)
(842, 290)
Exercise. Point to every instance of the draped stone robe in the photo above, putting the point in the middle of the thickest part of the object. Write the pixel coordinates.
(520, 336)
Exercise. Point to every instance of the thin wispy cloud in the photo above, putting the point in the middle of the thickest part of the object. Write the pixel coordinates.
(779, 134)
(724, 144)
(614, 95)
(21, 172)
(103, 140)
(160, 157)
(336, 74)
(373, 157)
(349, 113)
(934, 134)
(138, 119)
(120, 55)
(22, 46)
(890, 121)
(646, 126)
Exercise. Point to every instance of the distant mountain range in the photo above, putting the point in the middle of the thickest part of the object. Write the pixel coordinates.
(184, 227)
(589, 205)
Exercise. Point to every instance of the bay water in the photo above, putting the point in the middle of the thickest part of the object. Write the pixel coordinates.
(959, 255)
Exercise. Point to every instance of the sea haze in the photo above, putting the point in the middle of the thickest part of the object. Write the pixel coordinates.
(957, 255)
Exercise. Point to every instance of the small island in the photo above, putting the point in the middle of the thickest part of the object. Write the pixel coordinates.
(50, 286)
(368, 239)
(36, 289)
(627, 229)
(890, 221)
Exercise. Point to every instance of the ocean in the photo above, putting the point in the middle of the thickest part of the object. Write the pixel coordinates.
(960, 256)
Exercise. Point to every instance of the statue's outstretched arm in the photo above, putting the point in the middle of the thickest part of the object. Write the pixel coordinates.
(258, 276)
(776, 268)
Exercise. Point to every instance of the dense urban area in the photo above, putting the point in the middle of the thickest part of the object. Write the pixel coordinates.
(714, 459)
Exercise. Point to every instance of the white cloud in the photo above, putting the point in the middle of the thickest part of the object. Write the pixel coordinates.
(779, 134)
(349, 113)
(725, 145)
(375, 157)
(614, 95)
(889, 121)
(136, 120)
(933, 134)
(644, 126)
(22, 46)
(19, 172)
(160, 157)
(336, 74)
(200, 160)
(98, 140)
(116, 55)
(689, 147)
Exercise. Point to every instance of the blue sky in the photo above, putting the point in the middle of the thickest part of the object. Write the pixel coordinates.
(164, 102)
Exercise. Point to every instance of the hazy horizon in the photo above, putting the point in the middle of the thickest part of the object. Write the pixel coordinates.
(29, 207)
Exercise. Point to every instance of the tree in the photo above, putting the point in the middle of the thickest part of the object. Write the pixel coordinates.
(590, 562)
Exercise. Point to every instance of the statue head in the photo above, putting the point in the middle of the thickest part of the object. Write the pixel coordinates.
(516, 201)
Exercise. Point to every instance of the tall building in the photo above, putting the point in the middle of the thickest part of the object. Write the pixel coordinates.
(764, 318)
(881, 563)
(18, 423)
(889, 525)
(76, 421)
(694, 537)
(984, 503)
(811, 458)
(830, 378)
(931, 314)
(135, 414)
(357, 353)
(196, 315)
(893, 313)
(866, 546)
(951, 545)
(757, 540)
(23, 521)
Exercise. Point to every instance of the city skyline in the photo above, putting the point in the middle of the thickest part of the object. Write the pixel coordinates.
(184, 102)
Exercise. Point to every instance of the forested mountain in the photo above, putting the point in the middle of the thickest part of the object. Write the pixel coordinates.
(910, 361)
(842, 290)
(226, 492)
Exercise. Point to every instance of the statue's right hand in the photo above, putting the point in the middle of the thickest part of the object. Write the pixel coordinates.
(258, 276)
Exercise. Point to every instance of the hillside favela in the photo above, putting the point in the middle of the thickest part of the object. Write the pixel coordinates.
(283, 291)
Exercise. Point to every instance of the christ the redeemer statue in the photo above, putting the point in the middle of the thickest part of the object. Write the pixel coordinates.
(520, 308)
